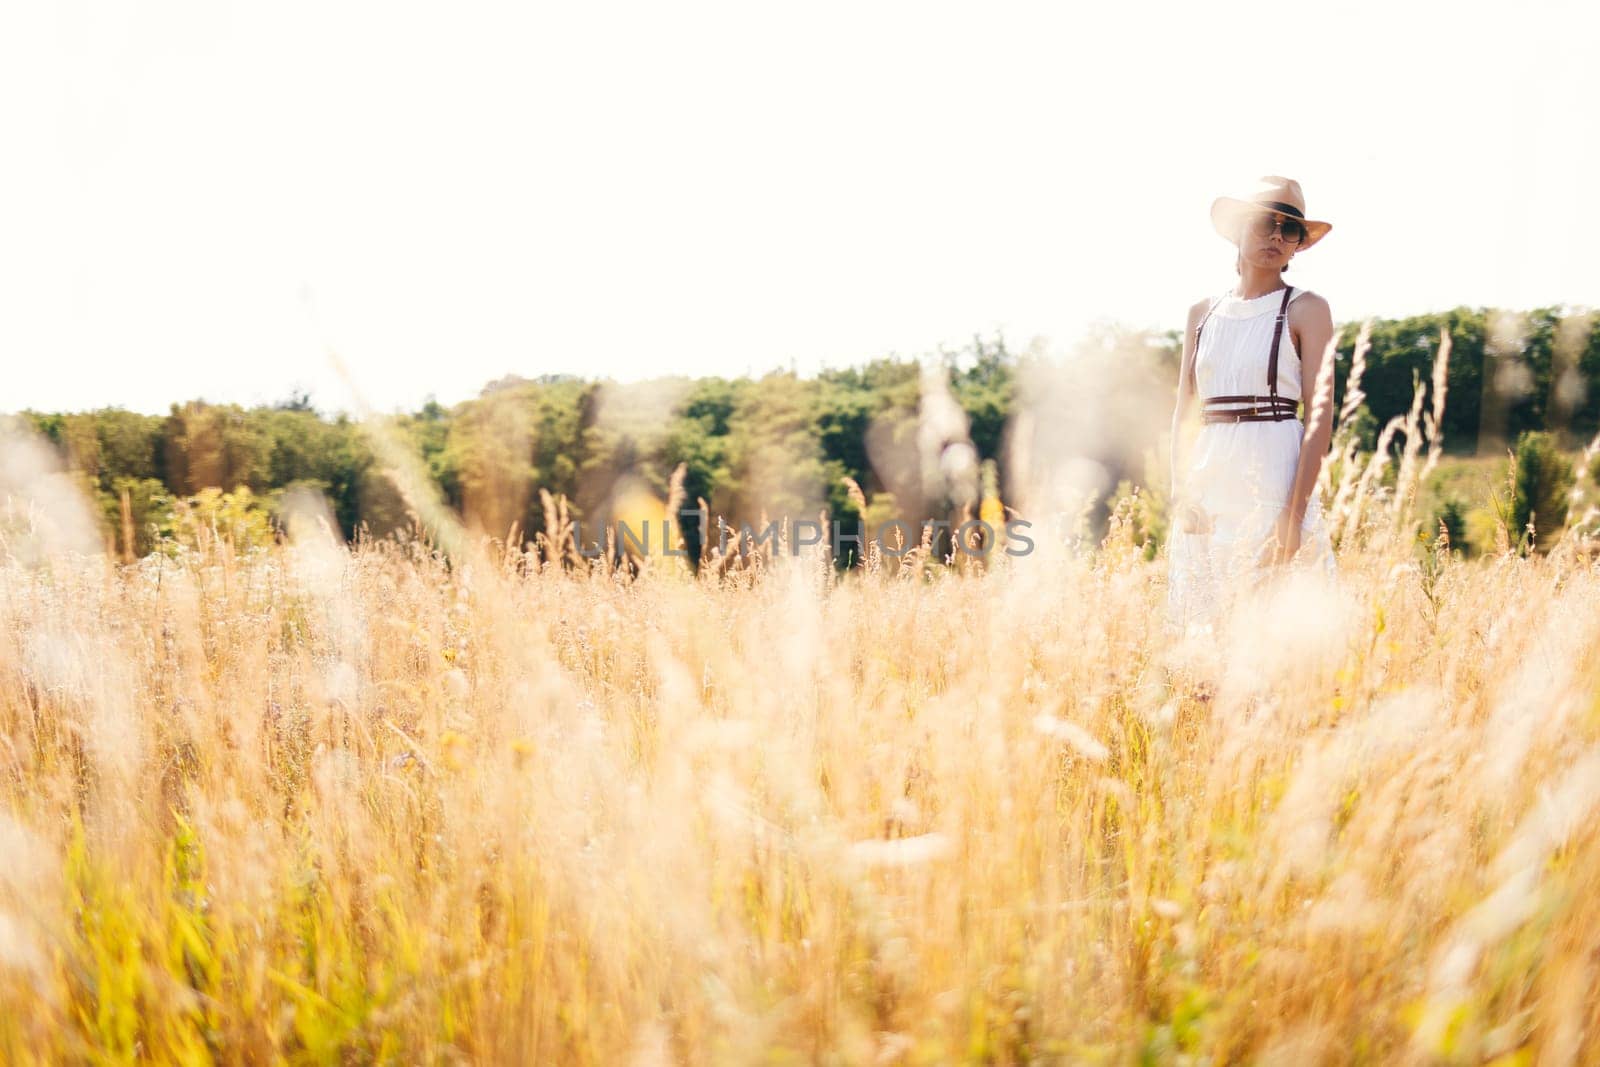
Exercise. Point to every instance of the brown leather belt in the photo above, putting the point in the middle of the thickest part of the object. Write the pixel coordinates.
(1248, 409)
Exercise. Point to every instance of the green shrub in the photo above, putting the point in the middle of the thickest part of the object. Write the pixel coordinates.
(151, 512)
(1452, 515)
(1543, 480)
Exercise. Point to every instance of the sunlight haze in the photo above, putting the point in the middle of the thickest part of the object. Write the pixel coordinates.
(204, 198)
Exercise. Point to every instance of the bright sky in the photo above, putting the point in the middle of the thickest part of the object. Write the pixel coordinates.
(201, 198)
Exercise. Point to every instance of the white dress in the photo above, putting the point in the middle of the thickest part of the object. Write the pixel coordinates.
(1239, 473)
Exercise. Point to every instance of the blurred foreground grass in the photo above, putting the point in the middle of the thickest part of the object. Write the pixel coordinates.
(310, 804)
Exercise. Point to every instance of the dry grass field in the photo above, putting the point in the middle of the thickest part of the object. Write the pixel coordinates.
(322, 805)
(312, 804)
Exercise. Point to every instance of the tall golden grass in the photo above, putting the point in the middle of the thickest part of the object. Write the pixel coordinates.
(384, 804)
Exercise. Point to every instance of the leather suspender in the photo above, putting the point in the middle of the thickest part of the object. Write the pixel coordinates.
(1277, 335)
(1194, 382)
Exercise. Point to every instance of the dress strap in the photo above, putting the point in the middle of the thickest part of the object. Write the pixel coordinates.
(1277, 336)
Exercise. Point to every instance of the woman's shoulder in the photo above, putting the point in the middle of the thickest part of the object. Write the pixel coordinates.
(1306, 301)
(1198, 309)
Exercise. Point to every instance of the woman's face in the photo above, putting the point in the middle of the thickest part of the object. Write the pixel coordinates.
(1269, 240)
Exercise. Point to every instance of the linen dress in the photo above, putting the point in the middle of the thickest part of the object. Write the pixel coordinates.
(1239, 473)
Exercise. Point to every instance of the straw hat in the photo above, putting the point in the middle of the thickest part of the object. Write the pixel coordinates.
(1273, 193)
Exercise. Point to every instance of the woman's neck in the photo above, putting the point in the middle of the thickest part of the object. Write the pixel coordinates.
(1254, 283)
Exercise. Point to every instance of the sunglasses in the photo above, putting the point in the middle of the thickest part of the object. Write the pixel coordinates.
(1264, 225)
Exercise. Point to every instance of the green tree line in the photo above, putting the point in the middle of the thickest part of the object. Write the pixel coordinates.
(749, 446)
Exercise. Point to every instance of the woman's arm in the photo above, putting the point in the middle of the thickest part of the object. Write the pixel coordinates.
(1312, 325)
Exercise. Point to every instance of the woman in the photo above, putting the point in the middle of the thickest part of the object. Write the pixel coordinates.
(1244, 499)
